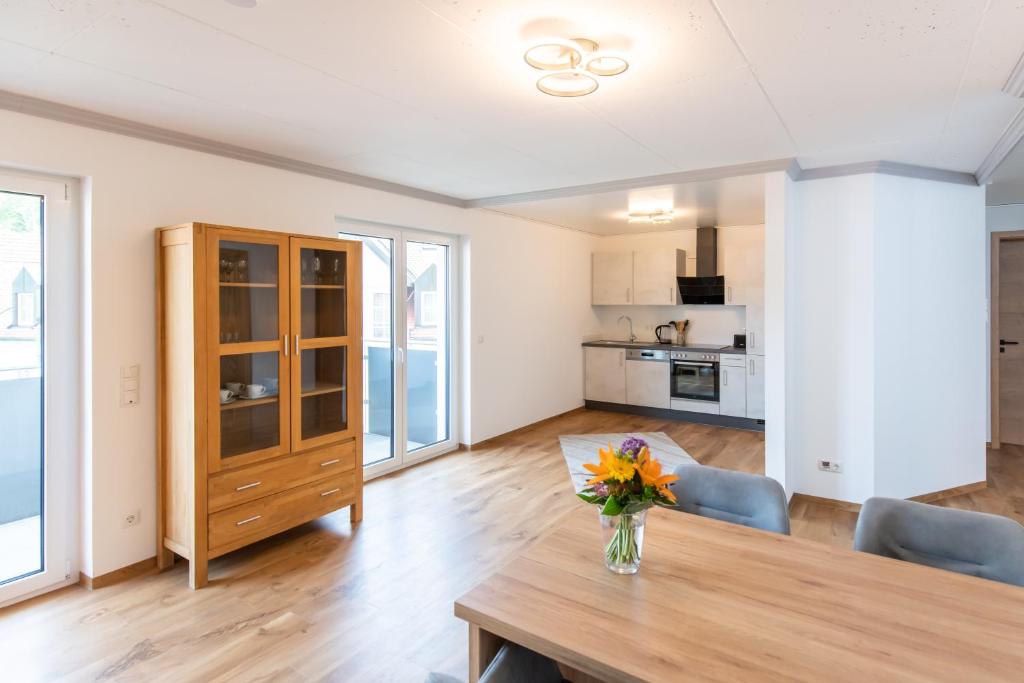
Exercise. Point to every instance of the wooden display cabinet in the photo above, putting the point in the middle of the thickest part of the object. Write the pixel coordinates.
(259, 387)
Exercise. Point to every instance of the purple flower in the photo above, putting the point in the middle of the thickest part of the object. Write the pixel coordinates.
(632, 446)
(601, 489)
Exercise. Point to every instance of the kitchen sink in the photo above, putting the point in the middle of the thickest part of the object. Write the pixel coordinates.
(611, 342)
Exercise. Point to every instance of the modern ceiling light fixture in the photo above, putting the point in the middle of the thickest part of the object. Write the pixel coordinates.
(573, 64)
(659, 217)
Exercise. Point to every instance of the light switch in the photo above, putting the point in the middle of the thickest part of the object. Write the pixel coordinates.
(129, 385)
(130, 371)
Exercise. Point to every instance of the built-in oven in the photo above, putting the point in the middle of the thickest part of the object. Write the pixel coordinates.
(695, 376)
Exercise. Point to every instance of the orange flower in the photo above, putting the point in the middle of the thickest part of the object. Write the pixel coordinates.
(650, 474)
(610, 467)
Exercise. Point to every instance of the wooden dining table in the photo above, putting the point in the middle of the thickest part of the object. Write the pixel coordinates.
(721, 602)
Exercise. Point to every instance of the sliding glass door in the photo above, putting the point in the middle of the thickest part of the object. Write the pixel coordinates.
(408, 409)
(38, 427)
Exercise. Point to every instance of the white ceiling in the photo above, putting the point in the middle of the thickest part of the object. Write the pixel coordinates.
(435, 94)
(729, 201)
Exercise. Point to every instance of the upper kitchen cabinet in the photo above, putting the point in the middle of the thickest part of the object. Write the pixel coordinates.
(656, 273)
(741, 260)
(637, 277)
(612, 279)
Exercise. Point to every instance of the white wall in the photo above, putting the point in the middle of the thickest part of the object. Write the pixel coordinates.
(884, 288)
(830, 327)
(712, 325)
(530, 302)
(930, 309)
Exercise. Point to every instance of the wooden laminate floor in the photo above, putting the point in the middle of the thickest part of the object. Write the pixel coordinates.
(373, 603)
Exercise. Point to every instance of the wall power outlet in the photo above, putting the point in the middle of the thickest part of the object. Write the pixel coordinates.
(830, 466)
(131, 519)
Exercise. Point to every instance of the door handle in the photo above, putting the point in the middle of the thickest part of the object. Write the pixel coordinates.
(296, 345)
(728, 294)
(247, 521)
(671, 299)
(1003, 342)
(752, 340)
(248, 486)
(752, 373)
(629, 294)
(725, 378)
(286, 346)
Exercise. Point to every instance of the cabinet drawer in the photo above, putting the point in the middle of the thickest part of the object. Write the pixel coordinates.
(234, 487)
(244, 524)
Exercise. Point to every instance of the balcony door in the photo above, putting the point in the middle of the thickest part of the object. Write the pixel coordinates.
(40, 391)
(409, 411)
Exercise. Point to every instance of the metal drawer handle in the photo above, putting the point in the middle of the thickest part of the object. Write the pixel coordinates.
(330, 462)
(249, 486)
(246, 521)
(327, 493)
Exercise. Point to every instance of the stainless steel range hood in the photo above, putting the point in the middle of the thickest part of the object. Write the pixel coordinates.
(706, 286)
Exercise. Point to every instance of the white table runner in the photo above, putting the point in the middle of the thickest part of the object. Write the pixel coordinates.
(582, 448)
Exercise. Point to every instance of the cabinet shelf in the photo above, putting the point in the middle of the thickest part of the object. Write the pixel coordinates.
(323, 286)
(248, 402)
(250, 285)
(323, 388)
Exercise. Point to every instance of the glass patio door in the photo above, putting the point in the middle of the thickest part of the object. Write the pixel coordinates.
(408, 318)
(39, 389)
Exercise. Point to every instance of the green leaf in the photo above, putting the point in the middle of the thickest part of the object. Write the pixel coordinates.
(612, 507)
(590, 498)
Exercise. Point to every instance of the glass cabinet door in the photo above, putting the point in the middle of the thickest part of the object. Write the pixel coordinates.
(248, 373)
(325, 309)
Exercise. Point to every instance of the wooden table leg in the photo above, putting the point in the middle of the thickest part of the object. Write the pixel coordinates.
(483, 646)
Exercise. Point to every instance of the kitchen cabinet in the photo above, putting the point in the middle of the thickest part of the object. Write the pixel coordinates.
(612, 278)
(646, 277)
(259, 387)
(656, 273)
(648, 383)
(605, 374)
(732, 386)
(755, 387)
(741, 261)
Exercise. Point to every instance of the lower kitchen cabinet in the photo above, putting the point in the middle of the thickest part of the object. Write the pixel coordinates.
(605, 374)
(733, 386)
(648, 383)
(755, 387)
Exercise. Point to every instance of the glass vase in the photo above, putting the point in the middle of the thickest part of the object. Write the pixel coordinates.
(623, 538)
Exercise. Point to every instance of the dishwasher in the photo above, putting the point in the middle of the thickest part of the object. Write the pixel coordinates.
(648, 378)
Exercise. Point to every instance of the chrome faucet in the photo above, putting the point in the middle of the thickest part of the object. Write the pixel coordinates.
(632, 337)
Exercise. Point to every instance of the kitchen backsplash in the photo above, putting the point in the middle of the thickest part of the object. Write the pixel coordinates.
(708, 324)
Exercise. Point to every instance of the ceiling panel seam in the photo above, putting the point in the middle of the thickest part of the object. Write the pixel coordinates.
(753, 72)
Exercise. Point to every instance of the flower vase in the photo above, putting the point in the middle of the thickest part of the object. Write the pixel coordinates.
(623, 537)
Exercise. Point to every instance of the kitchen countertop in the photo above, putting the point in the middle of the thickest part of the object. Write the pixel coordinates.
(643, 345)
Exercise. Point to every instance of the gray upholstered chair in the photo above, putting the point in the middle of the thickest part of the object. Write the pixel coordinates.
(513, 664)
(737, 497)
(974, 543)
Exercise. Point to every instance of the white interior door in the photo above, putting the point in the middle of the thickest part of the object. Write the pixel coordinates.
(40, 347)
(409, 407)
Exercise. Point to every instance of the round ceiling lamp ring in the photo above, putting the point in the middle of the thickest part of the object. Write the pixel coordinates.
(554, 54)
(604, 64)
(567, 83)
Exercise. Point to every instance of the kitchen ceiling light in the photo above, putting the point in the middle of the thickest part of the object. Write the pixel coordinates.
(570, 83)
(573, 65)
(554, 56)
(659, 217)
(606, 65)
